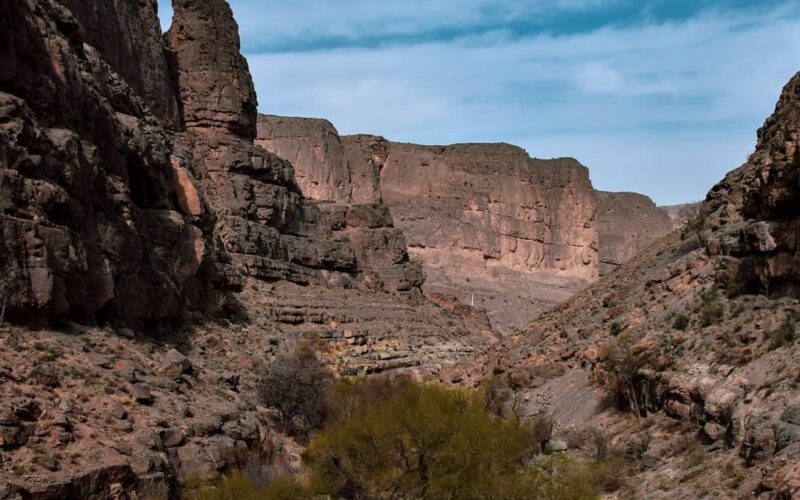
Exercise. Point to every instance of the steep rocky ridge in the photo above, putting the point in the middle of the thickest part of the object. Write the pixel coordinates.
(627, 224)
(698, 334)
(91, 229)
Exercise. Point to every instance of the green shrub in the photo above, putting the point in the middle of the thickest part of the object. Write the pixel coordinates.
(681, 322)
(711, 309)
(237, 486)
(426, 441)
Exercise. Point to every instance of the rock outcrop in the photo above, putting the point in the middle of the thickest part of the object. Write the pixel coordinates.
(755, 209)
(128, 37)
(214, 84)
(346, 210)
(627, 223)
(90, 226)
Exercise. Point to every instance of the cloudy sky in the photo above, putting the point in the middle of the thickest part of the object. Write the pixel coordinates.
(661, 97)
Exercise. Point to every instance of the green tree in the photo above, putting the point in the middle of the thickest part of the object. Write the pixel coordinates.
(426, 442)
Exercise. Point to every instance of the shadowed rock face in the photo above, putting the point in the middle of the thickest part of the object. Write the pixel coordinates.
(90, 225)
(349, 190)
(110, 214)
(627, 223)
(128, 37)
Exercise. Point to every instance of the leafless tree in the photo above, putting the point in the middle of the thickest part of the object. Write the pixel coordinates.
(298, 385)
(695, 218)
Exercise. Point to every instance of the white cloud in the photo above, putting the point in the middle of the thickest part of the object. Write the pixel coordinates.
(662, 109)
(359, 18)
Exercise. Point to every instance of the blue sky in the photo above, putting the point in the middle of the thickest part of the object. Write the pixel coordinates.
(662, 97)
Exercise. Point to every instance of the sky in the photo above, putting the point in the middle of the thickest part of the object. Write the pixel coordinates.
(661, 97)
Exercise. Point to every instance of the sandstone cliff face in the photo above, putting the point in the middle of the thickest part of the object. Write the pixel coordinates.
(327, 168)
(214, 83)
(267, 229)
(491, 226)
(627, 223)
(351, 203)
(518, 212)
(481, 219)
(314, 148)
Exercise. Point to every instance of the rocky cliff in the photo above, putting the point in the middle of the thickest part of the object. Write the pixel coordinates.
(91, 225)
(114, 196)
(627, 223)
(133, 199)
(490, 225)
(697, 334)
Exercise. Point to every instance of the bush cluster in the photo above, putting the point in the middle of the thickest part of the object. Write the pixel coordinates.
(404, 440)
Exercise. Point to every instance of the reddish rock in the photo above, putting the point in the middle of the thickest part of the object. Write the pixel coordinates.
(627, 223)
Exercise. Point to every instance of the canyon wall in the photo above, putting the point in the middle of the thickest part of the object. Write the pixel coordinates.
(166, 258)
(627, 223)
(491, 226)
(90, 225)
(120, 205)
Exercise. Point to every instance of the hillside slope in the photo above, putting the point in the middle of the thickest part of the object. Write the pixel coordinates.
(698, 334)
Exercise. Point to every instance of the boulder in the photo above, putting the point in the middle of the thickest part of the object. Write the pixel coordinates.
(176, 364)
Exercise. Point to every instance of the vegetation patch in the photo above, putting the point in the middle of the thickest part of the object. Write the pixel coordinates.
(407, 440)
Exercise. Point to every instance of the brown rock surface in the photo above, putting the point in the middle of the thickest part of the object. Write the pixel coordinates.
(627, 223)
(214, 84)
(128, 37)
(517, 212)
(314, 148)
(479, 218)
(491, 226)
